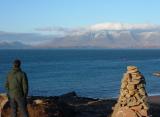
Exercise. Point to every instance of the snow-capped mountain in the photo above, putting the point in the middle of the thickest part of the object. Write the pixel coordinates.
(105, 35)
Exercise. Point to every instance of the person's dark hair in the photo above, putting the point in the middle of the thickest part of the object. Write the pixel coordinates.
(17, 63)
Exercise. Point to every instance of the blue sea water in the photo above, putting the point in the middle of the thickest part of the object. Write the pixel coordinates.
(91, 73)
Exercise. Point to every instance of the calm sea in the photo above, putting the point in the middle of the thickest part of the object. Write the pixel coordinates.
(92, 73)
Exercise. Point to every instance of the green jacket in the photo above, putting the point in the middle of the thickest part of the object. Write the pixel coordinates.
(17, 83)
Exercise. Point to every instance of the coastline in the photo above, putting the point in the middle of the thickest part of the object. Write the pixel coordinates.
(154, 99)
(72, 105)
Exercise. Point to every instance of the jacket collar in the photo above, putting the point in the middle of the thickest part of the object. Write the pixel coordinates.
(16, 69)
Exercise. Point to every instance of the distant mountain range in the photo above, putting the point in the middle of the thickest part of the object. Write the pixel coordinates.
(107, 39)
(13, 45)
(97, 36)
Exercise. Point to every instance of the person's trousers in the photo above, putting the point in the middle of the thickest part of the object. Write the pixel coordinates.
(19, 103)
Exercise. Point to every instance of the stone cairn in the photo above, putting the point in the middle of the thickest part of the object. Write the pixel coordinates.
(133, 99)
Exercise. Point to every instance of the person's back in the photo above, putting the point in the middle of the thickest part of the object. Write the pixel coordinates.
(17, 83)
(17, 89)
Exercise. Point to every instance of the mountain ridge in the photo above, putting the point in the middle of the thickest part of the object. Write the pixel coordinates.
(105, 35)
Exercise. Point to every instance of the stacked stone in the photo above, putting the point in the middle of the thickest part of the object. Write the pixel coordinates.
(133, 99)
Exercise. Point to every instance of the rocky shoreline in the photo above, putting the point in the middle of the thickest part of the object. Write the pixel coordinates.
(71, 105)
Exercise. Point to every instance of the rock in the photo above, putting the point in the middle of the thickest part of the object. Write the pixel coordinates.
(124, 85)
(70, 94)
(132, 101)
(133, 71)
(136, 75)
(3, 101)
(38, 101)
(69, 97)
(131, 92)
(43, 107)
(134, 81)
(136, 108)
(80, 107)
(125, 112)
(126, 77)
(58, 107)
(131, 87)
(143, 112)
(156, 74)
(139, 86)
(142, 91)
(129, 68)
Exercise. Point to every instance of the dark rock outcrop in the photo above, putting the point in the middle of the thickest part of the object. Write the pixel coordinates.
(70, 105)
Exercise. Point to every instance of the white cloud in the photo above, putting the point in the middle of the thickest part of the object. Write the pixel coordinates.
(123, 26)
(62, 30)
(97, 27)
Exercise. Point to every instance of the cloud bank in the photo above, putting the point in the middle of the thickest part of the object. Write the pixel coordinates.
(99, 27)
(123, 26)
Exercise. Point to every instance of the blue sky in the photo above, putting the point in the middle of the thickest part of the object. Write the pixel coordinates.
(27, 15)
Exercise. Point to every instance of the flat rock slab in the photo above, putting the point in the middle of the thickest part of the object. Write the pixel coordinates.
(125, 112)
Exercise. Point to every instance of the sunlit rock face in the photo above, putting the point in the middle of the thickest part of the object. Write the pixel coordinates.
(3, 101)
(133, 99)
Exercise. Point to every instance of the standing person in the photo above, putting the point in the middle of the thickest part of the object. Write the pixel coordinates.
(17, 89)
